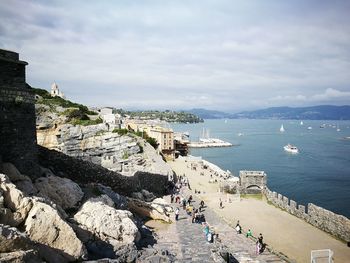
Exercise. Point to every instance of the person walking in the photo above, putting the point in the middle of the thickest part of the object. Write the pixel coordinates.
(238, 228)
(221, 203)
(177, 211)
(249, 233)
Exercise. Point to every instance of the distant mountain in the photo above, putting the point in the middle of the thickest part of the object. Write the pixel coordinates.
(323, 112)
(211, 114)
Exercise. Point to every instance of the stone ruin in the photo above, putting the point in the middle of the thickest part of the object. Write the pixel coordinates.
(17, 115)
(252, 182)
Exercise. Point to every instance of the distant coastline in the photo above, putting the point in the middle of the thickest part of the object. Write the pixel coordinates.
(321, 112)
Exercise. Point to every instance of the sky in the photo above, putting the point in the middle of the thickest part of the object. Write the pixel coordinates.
(223, 55)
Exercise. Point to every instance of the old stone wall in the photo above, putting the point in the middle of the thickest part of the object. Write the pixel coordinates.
(334, 224)
(86, 172)
(17, 115)
(252, 182)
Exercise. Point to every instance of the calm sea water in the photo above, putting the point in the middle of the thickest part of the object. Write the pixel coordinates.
(319, 174)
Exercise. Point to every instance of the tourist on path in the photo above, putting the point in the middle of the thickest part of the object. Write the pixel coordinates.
(172, 198)
(177, 211)
(221, 203)
(249, 233)
(238, 228)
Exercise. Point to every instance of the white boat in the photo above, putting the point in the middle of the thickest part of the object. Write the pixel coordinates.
(309, 128)
(301, 123)
(240, 134)
(290, 148)
(282, 129)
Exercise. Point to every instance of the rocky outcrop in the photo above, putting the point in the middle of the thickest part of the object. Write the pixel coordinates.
(45, 226)
(16, 205)
(95, 143)
(116, 227)
(158, 209)
(144, 195)
(22, 182)
(120, 202)
(62, 191)
(28, 256)
(11, 239)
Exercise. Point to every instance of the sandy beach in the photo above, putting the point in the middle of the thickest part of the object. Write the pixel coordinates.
(282, 231)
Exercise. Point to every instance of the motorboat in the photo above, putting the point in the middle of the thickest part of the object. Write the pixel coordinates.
(290, 148)
(309, 128)
(282, 128)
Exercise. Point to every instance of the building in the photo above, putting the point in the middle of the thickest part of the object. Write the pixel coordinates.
(114, 120)
(165, 138)
(55, 91)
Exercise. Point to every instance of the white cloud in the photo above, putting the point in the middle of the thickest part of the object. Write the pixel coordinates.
(216, 54)
(330, 94)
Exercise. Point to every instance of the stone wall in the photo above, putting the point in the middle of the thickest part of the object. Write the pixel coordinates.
(334, 224)
(86, 172)
(252, 182)
(17, 115)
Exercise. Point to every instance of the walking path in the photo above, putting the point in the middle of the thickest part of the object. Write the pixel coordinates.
(187, 240)
(282, 231)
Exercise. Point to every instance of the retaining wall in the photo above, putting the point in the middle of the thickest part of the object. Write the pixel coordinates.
(334, 224)
(87, 172)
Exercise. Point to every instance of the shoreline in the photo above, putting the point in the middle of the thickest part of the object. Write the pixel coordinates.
(296, 241)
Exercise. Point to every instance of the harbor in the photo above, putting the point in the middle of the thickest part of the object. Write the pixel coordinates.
(205, 141)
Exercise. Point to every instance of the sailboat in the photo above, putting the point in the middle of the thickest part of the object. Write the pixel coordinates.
(301, 123)
(282, 129)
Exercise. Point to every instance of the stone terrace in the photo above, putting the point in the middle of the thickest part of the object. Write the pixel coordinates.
(187, 241)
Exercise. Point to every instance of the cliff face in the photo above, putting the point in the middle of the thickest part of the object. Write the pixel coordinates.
(125, 154)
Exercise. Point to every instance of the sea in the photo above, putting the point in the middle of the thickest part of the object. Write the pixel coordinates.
(318, 174)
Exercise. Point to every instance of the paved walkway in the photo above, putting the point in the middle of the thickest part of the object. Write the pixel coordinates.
(187, 241)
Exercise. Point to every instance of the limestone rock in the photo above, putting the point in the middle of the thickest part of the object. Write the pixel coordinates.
(105, 199)
(150, 210)
(45, 226)
(120, 202)
(116, 227)
(62, 191)
(15, 200)
(28, 256)
(148, 197)
(26, 186)
(12, 173)
(11, 239)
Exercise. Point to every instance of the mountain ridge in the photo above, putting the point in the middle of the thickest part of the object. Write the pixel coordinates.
(319, 112)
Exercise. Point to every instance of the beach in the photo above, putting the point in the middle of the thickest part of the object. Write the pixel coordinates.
(282, 232)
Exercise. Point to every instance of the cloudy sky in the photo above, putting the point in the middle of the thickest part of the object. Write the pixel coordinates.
(225, 55)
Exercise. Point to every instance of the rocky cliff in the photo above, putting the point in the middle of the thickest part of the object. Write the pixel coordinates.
(125, 154)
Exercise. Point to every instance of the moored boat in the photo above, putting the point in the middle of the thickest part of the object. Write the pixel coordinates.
(291, 148)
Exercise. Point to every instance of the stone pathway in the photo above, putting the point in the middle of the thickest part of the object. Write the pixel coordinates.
(187, 241)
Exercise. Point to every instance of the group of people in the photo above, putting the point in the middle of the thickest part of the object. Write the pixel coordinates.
(260, 245)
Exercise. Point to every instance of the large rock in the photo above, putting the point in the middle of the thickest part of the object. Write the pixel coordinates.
(150, 210)
(11, 239)
(120, 202)
(16, 204)
(116, 227)
(12, 173)
(28, 256)
(45, 226)
(62, 191)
